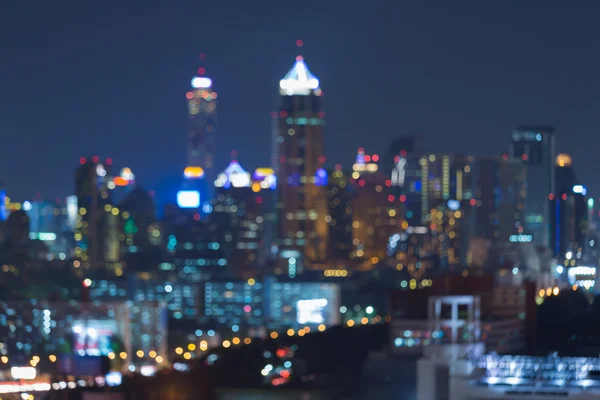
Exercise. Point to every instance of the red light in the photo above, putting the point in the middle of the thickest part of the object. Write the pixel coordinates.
(196, 217)
(505, 156)
(524, 157)
(564, 196)
(361, 182)
(201, 70)
(322, 159)
(285, 374)
(403, 153)
(299, 43)
(472, 202)
(338, 167)
(391, 198)
(259, 200)
(247, 308)
(273, 114)
(321, 114)
(202, 56)
(82, 160)
(189, 95)
(283, 114)
(551, 196)
(361, 150)
(402, 198)
(367, 158)
(397, 159)
(375, 158)
(95, 159)
(299, 58)
(388, 183)
(108, 161)
(282, 160)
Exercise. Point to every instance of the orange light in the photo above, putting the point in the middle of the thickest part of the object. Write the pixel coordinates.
(193, 172)
(118, 181)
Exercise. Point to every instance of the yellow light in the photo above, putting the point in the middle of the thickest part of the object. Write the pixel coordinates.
(36, 359)
(350, 323)
(32, 363)
(179, 350)
(542, 293)
(321, 328)
(193, 172)
(247, 340)
(301, 332)
(187, 356)
(140, 353)
(290, 332)
(256, 187)
(152, 354)
(4, 359)
(159, 359)
(306, 329)
(392, 213)
(251, 281)
(111, 355)
(191, 347)
(52, 358)
(235, 340)
(364, 321)
(575, 287)
(115, 211)
(274, 335)
(123, 355)
(548, 291)
(556, 291)
(226, 343)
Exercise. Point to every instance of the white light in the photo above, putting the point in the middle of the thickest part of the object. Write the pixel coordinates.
(114, 378)
(515, 271)
(559, 269)
(147, 370)
(23, 372)
(168, 288)
(310, 311)
(201, 82)
(453, 205)
(26, 205)
(580, 189)
(188, 199)
(520, 238)
(569, 255)
(240, 180)
(100, 171)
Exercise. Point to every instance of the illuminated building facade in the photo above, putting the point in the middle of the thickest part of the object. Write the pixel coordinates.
(298, 164)
(38, 327)
(534, 146)
(377, 213)
(51, 222)
(202, 118)
(242, 208)
(96, 238)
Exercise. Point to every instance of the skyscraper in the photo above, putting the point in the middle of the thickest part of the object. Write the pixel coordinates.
(202, 115)
(93, 226)
(534, 145)
(298, 164)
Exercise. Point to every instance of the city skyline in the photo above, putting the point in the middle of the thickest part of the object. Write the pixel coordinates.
(117, 117)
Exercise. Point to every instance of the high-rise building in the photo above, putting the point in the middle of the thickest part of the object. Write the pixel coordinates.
(298, 164)
(96, 241)
(340, 193)
(202, 118)
(534, 146)
(501, 190)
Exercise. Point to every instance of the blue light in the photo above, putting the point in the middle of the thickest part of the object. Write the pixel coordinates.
(188, 199)
(580, 189)
(417, 186)
(321, 177)
(453, 205)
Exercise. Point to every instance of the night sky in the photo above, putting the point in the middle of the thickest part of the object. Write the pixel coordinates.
(108, 78)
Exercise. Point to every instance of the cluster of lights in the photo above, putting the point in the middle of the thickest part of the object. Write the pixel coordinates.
(544, 368)
(551, 291)
(335, 273)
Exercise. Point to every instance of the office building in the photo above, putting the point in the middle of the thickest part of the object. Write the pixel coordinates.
(298, 164)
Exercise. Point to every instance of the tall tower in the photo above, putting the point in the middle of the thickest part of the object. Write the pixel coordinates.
(202, 115)
(534, 145)
(298, 164)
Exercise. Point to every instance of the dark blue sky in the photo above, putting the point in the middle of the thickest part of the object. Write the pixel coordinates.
(80, 78)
